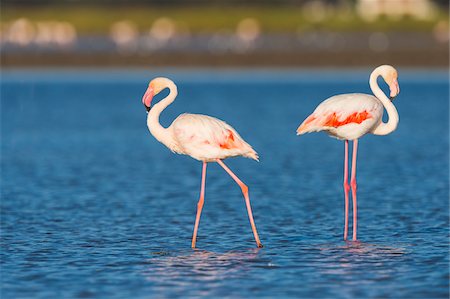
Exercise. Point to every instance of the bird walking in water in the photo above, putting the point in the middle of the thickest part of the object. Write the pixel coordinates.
(202, 137)
(351, 116)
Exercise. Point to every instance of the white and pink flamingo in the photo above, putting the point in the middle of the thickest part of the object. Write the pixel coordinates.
(351, 116)
(202, 137)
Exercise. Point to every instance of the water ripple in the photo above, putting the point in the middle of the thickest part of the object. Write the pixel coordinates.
(93, 207)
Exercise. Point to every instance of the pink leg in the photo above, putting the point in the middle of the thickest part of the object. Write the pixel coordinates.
(244, 189)
(346, 189)
(353, 185)
(199, 205)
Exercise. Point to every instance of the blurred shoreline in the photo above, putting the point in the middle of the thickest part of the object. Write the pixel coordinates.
(313, 49)
(254, 60)
(436, 56)
(314, 34)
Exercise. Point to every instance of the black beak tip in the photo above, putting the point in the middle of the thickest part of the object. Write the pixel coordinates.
(147, 108)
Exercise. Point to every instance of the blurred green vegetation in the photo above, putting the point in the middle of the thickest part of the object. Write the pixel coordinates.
(272, 19)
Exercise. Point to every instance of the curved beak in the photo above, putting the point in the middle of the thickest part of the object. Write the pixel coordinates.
(147, 98)
(395, 89)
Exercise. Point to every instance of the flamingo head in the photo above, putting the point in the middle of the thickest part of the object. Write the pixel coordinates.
(154, 87)
(390, 76)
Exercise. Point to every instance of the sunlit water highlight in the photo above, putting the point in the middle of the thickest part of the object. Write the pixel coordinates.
(93, 206)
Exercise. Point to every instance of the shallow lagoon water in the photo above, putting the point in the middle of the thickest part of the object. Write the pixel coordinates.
(92, 206)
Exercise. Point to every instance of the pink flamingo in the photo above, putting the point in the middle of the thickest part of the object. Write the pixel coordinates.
(202, 137)
(349, 117)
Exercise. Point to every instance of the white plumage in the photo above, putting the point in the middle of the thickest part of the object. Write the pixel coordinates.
(202, 137)
(345, 116)
(206, 138)
(349, 117)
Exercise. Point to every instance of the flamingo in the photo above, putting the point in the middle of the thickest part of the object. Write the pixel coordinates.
(202, 137)
(351, 116)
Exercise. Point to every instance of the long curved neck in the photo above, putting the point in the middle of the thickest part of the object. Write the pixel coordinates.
(155, 128)
(391, 125)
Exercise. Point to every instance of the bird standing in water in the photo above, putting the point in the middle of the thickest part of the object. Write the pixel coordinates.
(202, 137)
(351, 116)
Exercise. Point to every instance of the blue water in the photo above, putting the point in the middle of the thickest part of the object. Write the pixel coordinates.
(93, 206)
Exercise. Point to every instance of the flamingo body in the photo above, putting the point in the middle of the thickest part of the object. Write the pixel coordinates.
(345, 116)
(206, 138)
(202, 137)
(351, 116)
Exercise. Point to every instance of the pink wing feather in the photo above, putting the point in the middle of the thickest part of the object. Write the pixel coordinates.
(208, 138)
(341, 110)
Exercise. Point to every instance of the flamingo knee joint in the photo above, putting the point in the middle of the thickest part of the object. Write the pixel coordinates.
(353, 184)
(346, 187)
(244, 188)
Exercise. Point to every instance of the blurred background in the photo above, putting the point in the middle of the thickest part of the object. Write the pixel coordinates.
(92, 206)
(224, 33)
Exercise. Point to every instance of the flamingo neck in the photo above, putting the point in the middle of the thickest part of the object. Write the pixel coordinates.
(162, 134)
(391, 125)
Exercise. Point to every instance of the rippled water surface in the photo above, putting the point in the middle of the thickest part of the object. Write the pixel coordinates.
(93, 206)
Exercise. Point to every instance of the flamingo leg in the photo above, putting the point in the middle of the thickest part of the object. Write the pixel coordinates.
(346, 189)
(353, 186)
(199, 205)
(244, 189)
